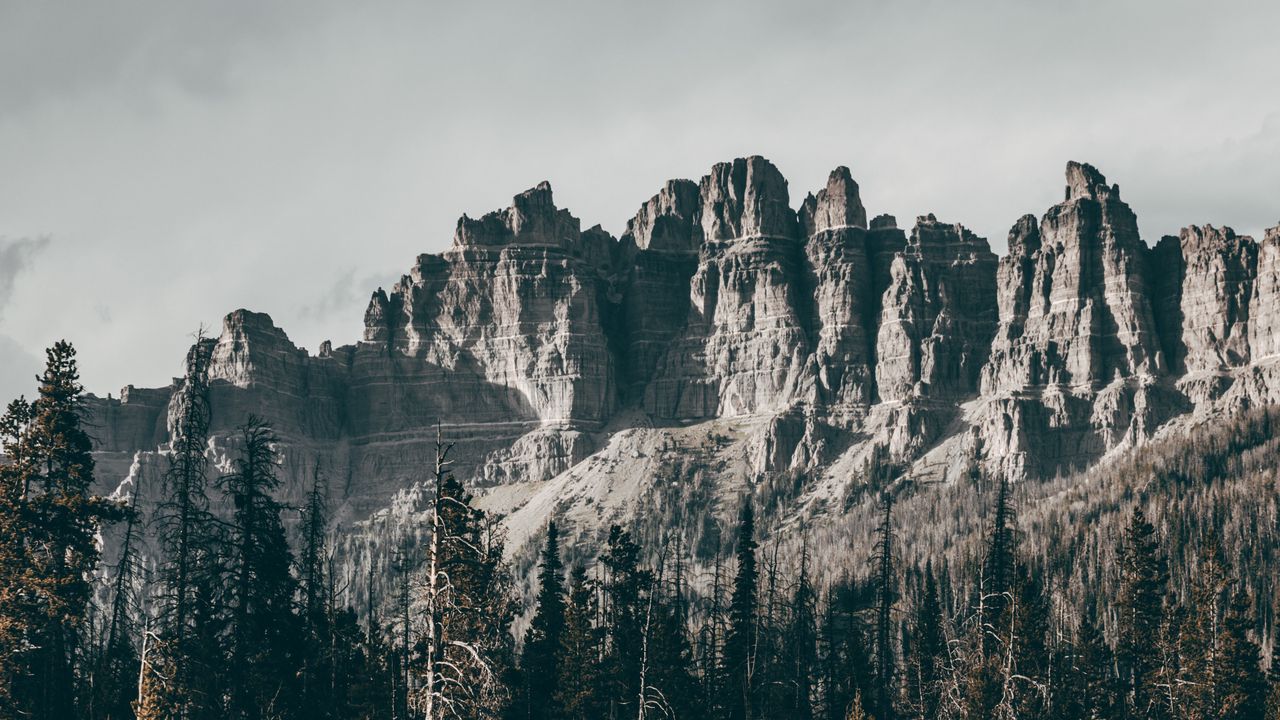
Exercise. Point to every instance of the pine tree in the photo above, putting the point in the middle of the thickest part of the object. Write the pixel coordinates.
(625, 587)
(886, 586)
(987, 691)
(542, 642)
(802, 636)
(1027, 676)
(846, 664)
(1143, 578)
(1242, 685)
(188, 639)
(998, 568)
(52, 521)
(20, 612)
(317, 613)
(263, 662)
(578, 694)
(1086, 687)
(929, 649)
(741, 642)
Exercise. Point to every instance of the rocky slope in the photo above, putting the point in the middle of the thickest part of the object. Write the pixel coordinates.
(729, 338)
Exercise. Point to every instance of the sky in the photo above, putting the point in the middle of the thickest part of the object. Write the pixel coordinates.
(162, 164)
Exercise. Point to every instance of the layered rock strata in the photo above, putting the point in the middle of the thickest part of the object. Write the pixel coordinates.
(800, 338)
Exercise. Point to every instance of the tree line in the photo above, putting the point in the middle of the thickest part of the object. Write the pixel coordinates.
(224, 617)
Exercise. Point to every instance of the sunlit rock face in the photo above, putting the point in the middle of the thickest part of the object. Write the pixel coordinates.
(730, 338)
(743, 347)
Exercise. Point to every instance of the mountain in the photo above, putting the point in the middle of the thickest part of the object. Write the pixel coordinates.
(729, 339)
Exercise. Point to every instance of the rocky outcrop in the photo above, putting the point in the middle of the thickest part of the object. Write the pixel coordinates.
(1087, 315)
(1204, 280)
(845, 300)
(745, 340)
(938, 316)
(1264, 305)
(771, 344)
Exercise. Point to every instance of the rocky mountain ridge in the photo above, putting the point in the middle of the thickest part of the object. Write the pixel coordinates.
(728, 335)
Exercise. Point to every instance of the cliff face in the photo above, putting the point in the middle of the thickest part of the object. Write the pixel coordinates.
(756, 338)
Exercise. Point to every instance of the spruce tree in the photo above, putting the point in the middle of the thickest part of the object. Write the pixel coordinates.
(670, 684)
(578, 689)
(625, 587)
(542, 641)
(741, 642)
(929, 649)
(263, 661)
(188, 640)
(317, 613)
(20, 611)
(53, 520)
(802, 636)
(998, 567)
(886, 587)
(1242, 685)
(1143, 578)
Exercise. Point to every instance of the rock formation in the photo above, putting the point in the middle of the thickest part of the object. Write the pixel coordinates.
(729, 337)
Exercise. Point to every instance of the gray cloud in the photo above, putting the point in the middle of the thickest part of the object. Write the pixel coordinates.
(20, 369)
(192, 158)
(16, 256)
(347, 295)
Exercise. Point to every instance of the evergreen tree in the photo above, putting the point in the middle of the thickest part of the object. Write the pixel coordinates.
(802, 637)
(263, 662)
(52, 520)
(578, 688)
(929, 649)
(846, 665)
(1027, 673)
(542, 642)
(317, 612)
(1242, 685)
(998, 569)
(1143, 578)
(625, 587)
(20, 611)
(741, 642)
(987, 691)
(1086, 687)
(188, 641)
(886, 586)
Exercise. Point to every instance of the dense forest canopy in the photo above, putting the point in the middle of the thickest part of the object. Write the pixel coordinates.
(1143, 588)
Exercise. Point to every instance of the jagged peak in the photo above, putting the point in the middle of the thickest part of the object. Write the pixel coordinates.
(1024, 236)
(838, 205)
(884, 221)
(746, 198)
(532, 219)
(1209, 233)
(667, 220)
(1084, 182)
(243, 319)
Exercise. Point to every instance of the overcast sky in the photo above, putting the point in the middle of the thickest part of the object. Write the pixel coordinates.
(162, 164)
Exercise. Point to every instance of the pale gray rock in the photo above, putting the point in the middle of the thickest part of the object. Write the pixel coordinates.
(728, 340)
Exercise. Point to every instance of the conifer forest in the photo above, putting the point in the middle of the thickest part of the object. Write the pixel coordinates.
(1154, 597)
